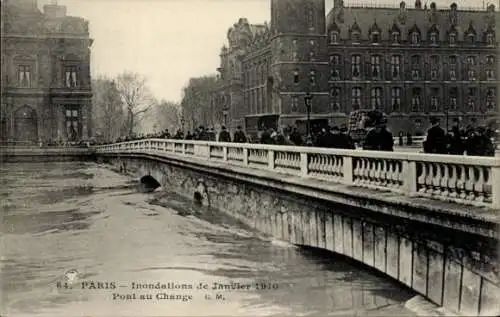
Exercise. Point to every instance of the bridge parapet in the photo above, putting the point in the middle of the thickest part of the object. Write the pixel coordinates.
(466, 180)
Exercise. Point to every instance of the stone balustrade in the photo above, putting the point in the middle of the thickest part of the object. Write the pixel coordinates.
(466, 180)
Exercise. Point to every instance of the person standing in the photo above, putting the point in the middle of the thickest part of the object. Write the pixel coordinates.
(239, 136)
(224, 136)
(436, 141)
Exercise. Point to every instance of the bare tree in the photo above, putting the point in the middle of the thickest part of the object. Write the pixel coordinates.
(135, 96)
(107, 115)
(168, 115)
(196, 101)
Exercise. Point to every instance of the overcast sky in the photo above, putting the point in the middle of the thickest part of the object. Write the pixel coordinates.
(169, 41)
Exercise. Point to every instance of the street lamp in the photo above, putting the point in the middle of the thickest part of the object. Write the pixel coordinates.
(307, 101)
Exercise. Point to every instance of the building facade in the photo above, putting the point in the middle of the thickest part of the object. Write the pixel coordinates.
(46, 85)
(410, 63)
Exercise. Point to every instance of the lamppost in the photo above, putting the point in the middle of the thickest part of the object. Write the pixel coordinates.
(307, 101)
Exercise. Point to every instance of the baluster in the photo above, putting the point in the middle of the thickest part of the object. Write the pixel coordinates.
(445, 191)
(422, 176)
(479, 186)
(461, 182)
(429, 177)
(436, 180)
(469, 184)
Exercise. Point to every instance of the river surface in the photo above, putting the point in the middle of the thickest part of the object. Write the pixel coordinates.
(58, 217)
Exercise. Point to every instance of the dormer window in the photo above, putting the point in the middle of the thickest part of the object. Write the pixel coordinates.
(334, 37)
(415, 38)
(490, 38)
(355, 33)
(375, 33)
(471, 38)
(433, 38)
(396, 38)
(452, 37)
(355, 37)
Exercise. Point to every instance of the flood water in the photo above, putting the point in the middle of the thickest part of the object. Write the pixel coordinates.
(134, 257)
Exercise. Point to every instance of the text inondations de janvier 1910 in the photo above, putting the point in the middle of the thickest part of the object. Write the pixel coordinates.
(170, 290)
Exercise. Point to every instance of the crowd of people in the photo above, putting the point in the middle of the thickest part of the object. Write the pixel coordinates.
(470, 140)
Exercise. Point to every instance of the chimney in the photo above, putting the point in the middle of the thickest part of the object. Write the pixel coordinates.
(54, 10)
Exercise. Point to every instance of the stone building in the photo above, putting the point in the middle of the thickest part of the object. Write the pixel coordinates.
(45, 83)
(411, 63)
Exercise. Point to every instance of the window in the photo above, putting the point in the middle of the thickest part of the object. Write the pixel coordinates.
(396, 38)
(395, 66)
(312, 56)
(433, 38)
(396, 99)
(356, 98)
(490, 62)
(312, 77)
(295, 104)
(434, 67)
(295, 56)
(490, 99)
(453, 68)
(471, 96)
(334, 74)
(471, 60)
(452, 37)
(416, 99)
(415, 38)
(415, 67)
(490, 39)
(471, 38)
(24, 76)
(434, 99)
(294, 43)
(375, 64)
(490, 74)
(375, 37)
(453, 98)
(72, 123)
(296, 76)
(335, 99)
(376, 98)
(335, 60)
(356, 66)
(334, 37)
(70, 76)
(355, 37)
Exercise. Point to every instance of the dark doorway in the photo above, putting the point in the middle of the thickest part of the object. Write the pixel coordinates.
(25, 125)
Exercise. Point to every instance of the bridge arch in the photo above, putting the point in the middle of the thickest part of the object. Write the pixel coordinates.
(25, 124)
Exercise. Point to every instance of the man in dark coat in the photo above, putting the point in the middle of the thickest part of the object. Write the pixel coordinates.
(296, 138)
(224, 136)
(379, 138)
(436, 141)
(239, 136)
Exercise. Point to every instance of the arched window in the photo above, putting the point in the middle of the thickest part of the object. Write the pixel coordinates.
(356, 66)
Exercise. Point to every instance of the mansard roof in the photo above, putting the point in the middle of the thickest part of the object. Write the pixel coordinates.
(404, 19)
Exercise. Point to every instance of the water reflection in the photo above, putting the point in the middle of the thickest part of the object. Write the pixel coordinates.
(60, 217)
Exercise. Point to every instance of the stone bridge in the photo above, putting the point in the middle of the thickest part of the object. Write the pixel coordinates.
(427, 221)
